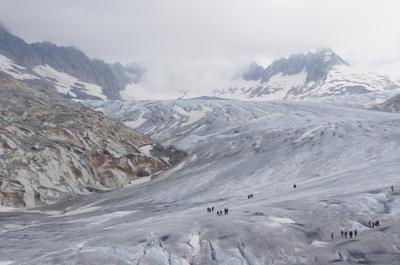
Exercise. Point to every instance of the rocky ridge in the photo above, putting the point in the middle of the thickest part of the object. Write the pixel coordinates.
(302, 76)
(51, 148)
(68, 69)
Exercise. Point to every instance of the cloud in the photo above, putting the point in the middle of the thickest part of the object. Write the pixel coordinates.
(186, 43)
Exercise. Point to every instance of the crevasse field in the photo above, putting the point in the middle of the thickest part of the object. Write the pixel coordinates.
(342, 159)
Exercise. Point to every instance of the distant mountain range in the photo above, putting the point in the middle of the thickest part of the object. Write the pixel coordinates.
(73, 74)
(67, 69)
(319, 74)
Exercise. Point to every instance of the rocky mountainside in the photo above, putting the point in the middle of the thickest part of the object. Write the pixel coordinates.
(300, 76)
(391, 105)
(51, 148)
(68, 69)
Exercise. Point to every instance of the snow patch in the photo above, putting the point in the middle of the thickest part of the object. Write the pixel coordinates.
(64, 82)
(283, 83)
(16, 71)
(139, 181)
(195, 244)
(319, 243)
(145, 149)
(308, 133)
(184, 261)
(136, 123)
(193, 115)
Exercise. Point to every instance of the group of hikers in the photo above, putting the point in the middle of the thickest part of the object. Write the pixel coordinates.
(350, 233)
(219, 212)
(372, 224)
(345, 233)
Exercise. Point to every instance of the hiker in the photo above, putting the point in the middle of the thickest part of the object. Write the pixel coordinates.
(373, 224)
(341, 233)
(226, 211)
(294, 186)
(332, 235)
(392, 188)
(377, 223)
(355, 233)
(351, 234)
(208, 209)
(250, 196)
(345, 234)
(369, 223)
(212, 209)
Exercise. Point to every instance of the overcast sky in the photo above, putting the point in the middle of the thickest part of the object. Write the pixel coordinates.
(187, 39)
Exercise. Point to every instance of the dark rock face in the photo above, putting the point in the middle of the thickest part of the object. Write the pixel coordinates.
(254, 72)
(316, 65)
(70, 60)
(303, 76)
(391, 105)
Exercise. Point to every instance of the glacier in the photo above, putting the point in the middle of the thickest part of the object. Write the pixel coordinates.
(342, 158)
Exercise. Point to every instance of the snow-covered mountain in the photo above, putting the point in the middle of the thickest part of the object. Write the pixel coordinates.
(70, 72)
(66, 69)
(300, 76)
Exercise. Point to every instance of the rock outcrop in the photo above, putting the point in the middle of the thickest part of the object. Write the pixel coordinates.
(51, 148)
(390, 105)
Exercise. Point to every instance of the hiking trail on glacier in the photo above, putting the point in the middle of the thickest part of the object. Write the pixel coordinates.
(342, 159)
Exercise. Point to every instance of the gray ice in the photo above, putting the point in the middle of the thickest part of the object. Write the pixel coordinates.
(342, 159)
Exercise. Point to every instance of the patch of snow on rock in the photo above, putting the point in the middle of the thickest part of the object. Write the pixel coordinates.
(64, 82)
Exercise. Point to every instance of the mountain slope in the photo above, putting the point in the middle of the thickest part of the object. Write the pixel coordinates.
(51, 148)
(300, 76)
(67, 68)
(392, 104)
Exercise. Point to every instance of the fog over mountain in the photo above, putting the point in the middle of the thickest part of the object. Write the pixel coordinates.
(198, 45)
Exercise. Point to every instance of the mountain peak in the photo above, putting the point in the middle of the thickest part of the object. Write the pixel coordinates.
(53, 59)
(329, 55)
(319, 73)
(315, 64)
(325, 50)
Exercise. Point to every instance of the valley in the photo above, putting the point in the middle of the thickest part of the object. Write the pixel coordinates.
(343, 160)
